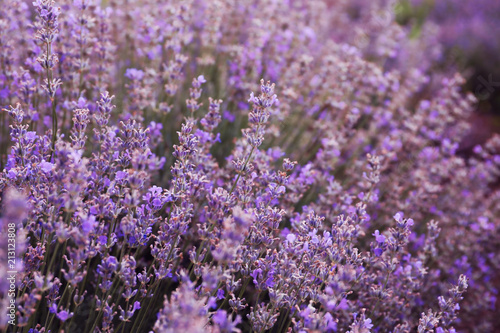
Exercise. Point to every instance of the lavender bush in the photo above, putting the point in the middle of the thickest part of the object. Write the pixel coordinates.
(227, 166)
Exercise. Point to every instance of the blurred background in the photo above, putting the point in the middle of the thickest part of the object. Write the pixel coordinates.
(446, 36)
(469, 31)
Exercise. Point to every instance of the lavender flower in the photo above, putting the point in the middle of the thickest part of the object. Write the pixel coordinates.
(145, 192)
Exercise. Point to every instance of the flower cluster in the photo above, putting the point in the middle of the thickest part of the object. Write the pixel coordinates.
(229, 166)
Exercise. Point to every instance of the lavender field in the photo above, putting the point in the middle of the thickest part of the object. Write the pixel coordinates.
(249, 166)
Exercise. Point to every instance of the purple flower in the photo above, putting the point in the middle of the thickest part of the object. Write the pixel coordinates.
(64, 315)
(137, 306)
(229, 116)
(88, 224)
(46, 166)
(378, 237)
(134, 74)
(201, 79)
(220, 294)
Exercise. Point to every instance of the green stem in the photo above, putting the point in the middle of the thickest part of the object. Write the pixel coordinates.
(51, 263)
(100, 312)
(147, 309)
(58, 303)
(375, 308)
(285, 319)
(244, 287)
(244, 167)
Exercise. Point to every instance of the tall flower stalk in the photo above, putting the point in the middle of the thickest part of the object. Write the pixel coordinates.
(47, 32)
